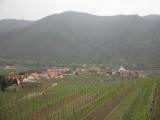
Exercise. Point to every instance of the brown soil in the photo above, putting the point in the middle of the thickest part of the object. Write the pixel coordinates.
(157, 102)
(102, 112)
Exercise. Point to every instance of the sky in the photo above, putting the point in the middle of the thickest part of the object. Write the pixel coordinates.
(36, 9)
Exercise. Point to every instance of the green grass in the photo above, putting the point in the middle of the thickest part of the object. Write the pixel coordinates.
(143, 103)
(82, 87)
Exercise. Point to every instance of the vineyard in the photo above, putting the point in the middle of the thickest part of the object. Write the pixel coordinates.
(84, 97)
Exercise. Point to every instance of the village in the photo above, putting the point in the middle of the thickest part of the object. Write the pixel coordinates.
(60, 72)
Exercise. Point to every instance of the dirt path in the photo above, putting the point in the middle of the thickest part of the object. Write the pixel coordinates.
(102, 112)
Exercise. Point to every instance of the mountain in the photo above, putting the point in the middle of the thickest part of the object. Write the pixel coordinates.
(11, 24)
(152, 17)
(77, 38)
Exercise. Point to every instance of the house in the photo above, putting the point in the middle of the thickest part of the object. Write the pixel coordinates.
(66, 70)
(54, 72)
(95, 70)
(142, 74)
(123, 72)
(122, 69)
(80, 70)
(31, 77)
(14, 79)
(34, 76)
(133, 73)
(44, 74)
(10, 67)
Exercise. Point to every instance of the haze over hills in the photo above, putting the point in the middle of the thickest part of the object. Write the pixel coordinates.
(11, 24)
(73, 37)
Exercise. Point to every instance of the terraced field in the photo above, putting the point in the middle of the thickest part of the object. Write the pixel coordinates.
(84, 97)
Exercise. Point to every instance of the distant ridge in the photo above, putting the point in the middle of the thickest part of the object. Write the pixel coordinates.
(12, 24)
(75, 38)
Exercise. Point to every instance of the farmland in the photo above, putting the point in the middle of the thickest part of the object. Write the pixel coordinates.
(84, 97)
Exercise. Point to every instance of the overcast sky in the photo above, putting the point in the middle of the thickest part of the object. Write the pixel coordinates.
(36, 9)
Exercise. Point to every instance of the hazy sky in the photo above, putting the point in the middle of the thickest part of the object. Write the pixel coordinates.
(36, 9)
